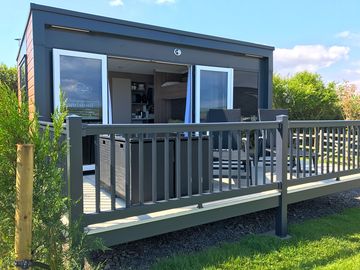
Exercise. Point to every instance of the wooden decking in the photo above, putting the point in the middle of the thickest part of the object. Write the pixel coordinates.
(105, 201)
(89, 196)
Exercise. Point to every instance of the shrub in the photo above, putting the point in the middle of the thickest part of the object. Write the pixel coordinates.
(8, 76)
(14, 128)
(54, 243)
(306, 96)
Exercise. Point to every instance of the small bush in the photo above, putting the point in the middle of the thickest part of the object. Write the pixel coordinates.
(14, 128)
(54, 243)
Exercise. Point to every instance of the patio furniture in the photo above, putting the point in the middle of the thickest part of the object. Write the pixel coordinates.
(231, 115)
(120, 166)
(270, 115)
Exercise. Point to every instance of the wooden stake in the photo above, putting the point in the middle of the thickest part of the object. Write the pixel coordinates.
(24, 195)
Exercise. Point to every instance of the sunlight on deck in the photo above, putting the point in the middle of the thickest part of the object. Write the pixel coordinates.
(89, 196)
(105, 201)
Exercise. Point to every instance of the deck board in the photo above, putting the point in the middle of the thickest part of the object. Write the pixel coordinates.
(89, 196)
(105, 201)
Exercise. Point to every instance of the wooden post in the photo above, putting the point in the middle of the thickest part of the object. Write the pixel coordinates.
(24, 196)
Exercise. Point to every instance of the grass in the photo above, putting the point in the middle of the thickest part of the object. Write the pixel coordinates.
(331, 242)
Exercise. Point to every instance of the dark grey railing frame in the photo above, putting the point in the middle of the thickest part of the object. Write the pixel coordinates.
(75, 167)
(282, 141)
(76, 130)
(74, 157)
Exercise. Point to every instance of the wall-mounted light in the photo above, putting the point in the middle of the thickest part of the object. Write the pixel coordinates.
(177, 51)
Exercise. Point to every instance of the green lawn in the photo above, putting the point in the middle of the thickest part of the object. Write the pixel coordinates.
(331, 242)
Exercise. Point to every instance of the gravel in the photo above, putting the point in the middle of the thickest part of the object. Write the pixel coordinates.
(143, 253)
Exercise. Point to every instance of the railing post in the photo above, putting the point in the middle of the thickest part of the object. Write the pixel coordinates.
(74, 167)
(282, 138)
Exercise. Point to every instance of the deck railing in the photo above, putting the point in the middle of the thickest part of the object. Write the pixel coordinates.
(153, 167)
(321, 150)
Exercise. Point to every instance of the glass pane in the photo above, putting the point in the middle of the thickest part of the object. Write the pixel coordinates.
(81, 83)
(246, 93)
(213, 91)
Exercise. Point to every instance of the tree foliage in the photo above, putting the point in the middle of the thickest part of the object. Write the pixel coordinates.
(8, 76)
(349, 101)
(306, 96)
(14, 128)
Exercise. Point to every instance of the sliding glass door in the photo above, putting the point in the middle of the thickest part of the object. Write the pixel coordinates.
(213, 90)
(82, 77)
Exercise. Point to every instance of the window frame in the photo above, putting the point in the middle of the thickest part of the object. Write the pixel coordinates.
(23, 63)
(104, 77)
(230, 88)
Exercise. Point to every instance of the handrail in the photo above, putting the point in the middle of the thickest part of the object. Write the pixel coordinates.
(323, 123)
(96, 129)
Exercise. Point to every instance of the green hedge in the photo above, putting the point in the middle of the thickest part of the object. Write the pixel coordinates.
(306, 96)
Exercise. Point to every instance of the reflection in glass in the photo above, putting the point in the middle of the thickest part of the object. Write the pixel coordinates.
(213, 91)
(80, 81)
(246, 95)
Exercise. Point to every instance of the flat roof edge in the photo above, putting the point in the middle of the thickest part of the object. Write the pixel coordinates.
(144, 26)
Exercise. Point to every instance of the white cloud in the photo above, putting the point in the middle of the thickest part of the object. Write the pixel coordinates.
(348, 35)
(352, 76)
(343, 34)
(351, 38)
(356, 63)
(116, 3)
(353, 71)
(307, 57)
(162, 2)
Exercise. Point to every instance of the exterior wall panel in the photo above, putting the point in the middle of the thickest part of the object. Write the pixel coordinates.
(132, 40)
(141, 49)
(27, 49)
(30, 67)
(98, 25)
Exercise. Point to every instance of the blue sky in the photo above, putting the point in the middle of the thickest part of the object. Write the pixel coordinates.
(319, 36)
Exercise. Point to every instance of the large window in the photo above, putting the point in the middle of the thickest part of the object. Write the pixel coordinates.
(213, 90)
(82, 77)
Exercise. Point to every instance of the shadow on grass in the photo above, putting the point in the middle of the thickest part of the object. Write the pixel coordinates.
(314, 243)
